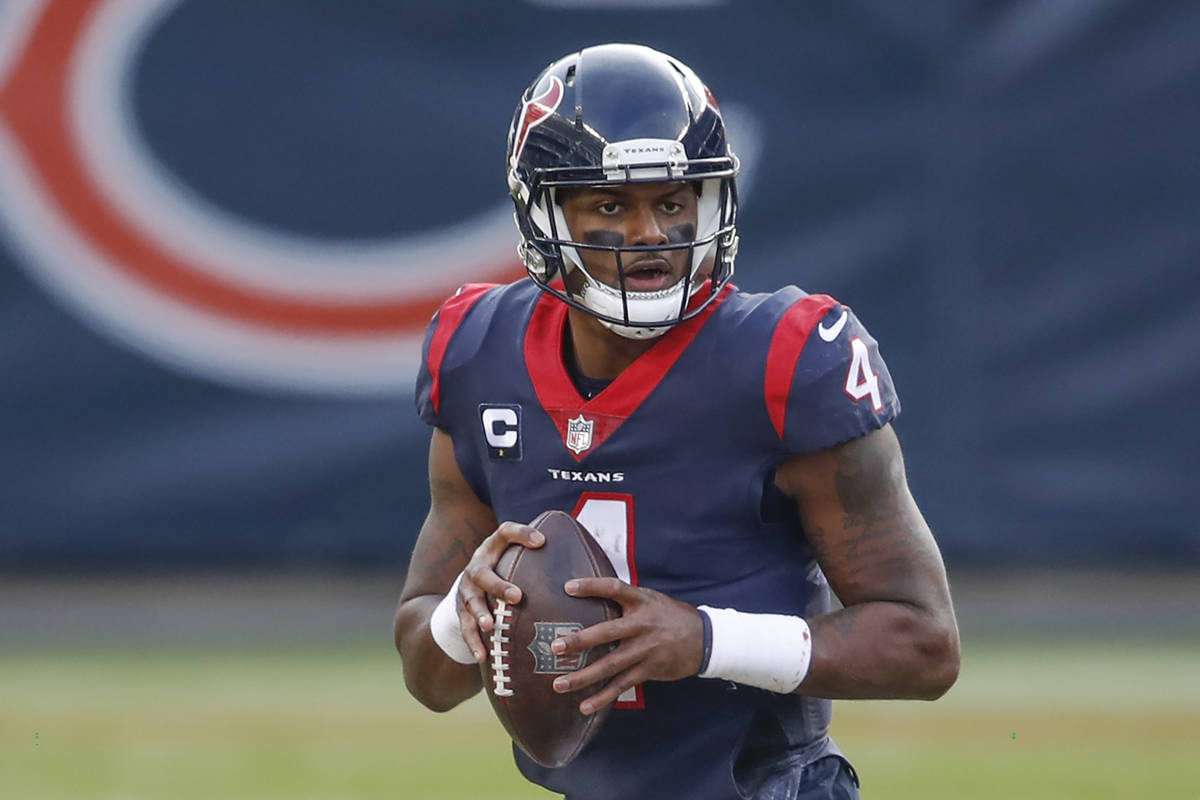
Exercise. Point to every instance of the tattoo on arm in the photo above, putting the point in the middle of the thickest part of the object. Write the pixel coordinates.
(442, 550)
(842, 620)
(865, 486)
(880, 547)
(819, 540)
(873, 521)
(480, 533)
(445, 563)
(867, 534)
(457, 551)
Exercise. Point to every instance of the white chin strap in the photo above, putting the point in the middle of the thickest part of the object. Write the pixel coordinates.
(644, 307)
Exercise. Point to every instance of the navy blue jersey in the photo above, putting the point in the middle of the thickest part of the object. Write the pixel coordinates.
(671, 468)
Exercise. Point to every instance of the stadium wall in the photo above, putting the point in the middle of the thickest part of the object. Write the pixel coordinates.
(223, 227)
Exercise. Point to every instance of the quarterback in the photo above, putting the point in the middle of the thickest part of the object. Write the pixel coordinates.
(732, 453)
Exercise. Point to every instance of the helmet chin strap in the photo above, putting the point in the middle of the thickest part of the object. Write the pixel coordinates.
(634, 333)
(645, 307)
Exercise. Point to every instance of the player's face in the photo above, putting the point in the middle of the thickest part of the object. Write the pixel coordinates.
(634, 214)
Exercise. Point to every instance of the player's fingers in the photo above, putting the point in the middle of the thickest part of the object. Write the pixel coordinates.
(517, 533)
(612, 588)
(470, 634)
(620, 683)
(616, 661)
(598, 634)
(474, 616)
(480, 578)
(478, 582)
(480, 569)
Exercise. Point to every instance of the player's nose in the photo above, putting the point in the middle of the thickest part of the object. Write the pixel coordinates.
(644, 227)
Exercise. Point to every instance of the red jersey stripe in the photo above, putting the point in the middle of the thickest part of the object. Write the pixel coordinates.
(449, 316)
(787, 342)
(558, 395)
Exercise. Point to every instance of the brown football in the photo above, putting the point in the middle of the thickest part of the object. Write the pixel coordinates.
(521, 669)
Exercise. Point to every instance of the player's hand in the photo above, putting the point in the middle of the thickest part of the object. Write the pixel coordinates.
(480, 579)
(660, 639)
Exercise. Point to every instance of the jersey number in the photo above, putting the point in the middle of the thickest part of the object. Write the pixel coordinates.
(609, 518)
(861, 380)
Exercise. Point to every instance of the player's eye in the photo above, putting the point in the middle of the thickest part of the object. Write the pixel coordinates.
(608, 209)
(671, 207)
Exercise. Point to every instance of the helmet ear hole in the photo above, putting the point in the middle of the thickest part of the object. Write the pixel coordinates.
(534, 261)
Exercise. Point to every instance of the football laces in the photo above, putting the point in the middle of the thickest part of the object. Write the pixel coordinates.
(500, 676)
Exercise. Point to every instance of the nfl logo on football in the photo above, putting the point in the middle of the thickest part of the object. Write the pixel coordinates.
(579, 434)
(546, 660)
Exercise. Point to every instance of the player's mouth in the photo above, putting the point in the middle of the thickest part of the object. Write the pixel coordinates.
(649, 275)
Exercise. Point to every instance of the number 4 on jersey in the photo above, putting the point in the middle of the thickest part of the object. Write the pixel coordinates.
(861, 380)
(609, 518)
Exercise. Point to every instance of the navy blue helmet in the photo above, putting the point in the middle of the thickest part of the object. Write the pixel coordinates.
(618, 114)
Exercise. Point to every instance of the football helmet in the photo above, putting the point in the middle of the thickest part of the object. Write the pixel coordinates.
(617, 114)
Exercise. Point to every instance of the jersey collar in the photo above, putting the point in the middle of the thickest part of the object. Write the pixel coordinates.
(585, 424)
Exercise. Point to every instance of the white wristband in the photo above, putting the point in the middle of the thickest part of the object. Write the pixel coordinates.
(769, 651)
(446, 630)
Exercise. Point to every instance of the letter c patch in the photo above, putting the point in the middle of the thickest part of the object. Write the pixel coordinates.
(502, 430)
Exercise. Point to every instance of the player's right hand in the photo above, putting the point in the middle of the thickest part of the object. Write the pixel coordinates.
(480, 579)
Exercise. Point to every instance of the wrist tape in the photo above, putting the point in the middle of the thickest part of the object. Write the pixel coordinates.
(768, 651)
(446, 630)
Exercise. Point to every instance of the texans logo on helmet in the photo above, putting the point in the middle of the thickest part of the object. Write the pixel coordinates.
(103, 225)
(534, 111)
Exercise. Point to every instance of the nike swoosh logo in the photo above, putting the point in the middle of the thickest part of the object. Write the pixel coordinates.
(831, 333)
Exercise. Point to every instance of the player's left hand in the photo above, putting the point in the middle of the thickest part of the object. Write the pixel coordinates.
(660, 639)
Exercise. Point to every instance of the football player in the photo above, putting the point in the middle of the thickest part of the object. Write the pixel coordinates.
(733, 453)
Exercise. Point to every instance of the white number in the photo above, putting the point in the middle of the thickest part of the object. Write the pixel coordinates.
(609, 518)
(861, 380)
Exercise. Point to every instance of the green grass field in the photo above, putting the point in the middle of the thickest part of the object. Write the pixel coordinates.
(1029, 719)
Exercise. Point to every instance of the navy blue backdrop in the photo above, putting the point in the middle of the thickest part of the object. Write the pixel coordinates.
(223, 225)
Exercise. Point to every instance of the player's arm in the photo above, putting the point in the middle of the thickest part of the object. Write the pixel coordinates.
(897, 636)
(460, 535)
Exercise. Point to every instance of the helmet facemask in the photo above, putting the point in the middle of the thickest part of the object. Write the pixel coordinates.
(553, 256)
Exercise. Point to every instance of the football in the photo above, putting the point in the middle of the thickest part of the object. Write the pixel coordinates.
(518, 677)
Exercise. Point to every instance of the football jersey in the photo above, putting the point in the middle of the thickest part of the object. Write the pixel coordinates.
(671, 467)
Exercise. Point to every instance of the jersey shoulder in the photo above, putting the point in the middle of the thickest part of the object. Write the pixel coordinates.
(476, 314)
(818, 372)
(757, 315)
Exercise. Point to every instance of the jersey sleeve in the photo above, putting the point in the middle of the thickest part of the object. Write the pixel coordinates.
(423, 396)
(826, 382)
(438, 338)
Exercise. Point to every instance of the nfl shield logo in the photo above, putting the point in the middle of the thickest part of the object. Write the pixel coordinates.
(579, 434)
(546, 661)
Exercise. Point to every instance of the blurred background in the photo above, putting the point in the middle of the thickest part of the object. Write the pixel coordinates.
(224, 226)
